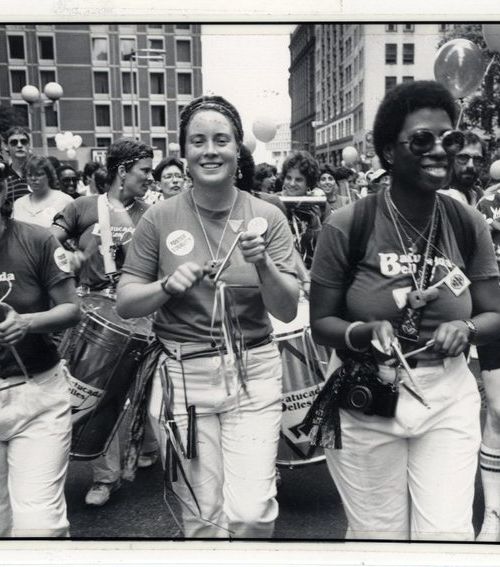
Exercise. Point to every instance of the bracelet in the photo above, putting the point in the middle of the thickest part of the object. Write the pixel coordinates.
(163, 283)
(472, 329)
(347, 337)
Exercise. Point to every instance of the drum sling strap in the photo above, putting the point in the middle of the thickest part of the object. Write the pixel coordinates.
(106, 248)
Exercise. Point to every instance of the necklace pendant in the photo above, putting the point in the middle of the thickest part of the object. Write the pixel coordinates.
(416, 299)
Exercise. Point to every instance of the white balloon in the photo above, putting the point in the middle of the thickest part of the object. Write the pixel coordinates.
(350, 155)
(58, 137)
(71, 153)
(250, 142)
(60, 145)
(77, 141)
(264, 128)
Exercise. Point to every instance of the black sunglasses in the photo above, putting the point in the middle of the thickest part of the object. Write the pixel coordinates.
(463, 159)
(15, 142)
(68, 180)
(422, 141)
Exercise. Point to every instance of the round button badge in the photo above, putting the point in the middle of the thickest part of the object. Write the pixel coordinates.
(258, 225)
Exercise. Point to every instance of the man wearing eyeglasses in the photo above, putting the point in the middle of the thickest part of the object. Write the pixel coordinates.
(466, 167)
(18, 145)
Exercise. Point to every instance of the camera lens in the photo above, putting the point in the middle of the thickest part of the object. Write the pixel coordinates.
(360, 397)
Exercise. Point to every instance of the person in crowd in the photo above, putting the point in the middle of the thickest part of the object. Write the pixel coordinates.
(330, 188)
(41, 205)
(426, 280)
(93, 181)
(129, 167)
(300, 173)
(265, 178)
(227, 413)
(37, 297)
(170, 176)
(467, 166)
(377, 181)
(18, 146)
(68, 180)
(343, 176)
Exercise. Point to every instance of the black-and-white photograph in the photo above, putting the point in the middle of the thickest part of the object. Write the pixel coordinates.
(249, 281)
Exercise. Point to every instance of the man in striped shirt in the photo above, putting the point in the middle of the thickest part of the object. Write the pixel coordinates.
(18, 142)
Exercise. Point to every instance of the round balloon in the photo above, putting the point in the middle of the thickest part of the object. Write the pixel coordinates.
(71, 153)
(250, 142)
(495, 170)
(491, 34)
(459, 66)
(350, 155)
(77, 141)
(264, 129)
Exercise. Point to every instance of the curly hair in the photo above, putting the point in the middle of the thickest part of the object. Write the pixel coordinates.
(341, 172)
(401, 101)
(326, 168)
(306, 164)
(21, 130)
(125, 151)
(167, 162)
(263, 171)
(216, 103)
(36, 163)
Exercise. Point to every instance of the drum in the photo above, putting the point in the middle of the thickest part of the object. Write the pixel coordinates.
(102, 354)
(305, 367)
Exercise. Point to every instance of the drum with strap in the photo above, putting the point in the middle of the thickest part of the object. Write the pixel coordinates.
(102, 353)
(305, 368)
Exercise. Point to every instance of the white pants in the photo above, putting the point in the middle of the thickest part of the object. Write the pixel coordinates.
(35, 437)
(412, 476)
(233, 476)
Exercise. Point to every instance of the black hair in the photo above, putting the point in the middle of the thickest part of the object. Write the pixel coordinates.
(65, 167)
(125, 151)
(246, 166)
(262, 172)
(216, 103)
(41, 162)
(17, 130)
(401, 101)
(101, 179)
(470, 138)
(89, 169)
(167, 162)
(306, 164)
(341, 173)
(326, 168)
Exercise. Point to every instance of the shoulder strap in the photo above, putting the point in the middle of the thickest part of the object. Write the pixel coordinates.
(462, 225)
(106, 237)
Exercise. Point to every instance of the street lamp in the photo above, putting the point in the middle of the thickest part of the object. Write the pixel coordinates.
(136, 55)
(52, 92)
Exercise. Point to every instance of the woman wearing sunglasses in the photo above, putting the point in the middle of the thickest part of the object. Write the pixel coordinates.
(409, 430)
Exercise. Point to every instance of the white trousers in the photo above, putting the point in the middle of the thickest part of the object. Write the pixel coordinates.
(412, 476)
(233, 476)
(35, 438)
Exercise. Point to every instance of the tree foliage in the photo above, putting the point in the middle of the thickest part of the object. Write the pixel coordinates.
(482, 109)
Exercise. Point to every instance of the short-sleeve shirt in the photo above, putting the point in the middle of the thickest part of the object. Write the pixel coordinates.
(170, 234)
(43, 212)
(17, 186)
(386, 267)
(80, 220)
(31, 263)
(489, 207)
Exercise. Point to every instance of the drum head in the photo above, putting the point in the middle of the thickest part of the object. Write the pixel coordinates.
(102, 307)
(302, 320)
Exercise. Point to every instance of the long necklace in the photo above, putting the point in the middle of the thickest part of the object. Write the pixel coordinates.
(215, 257)
(116, 209)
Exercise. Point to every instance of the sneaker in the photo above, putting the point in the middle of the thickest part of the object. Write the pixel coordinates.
(490, 530)
(147, 460)
(100, 492)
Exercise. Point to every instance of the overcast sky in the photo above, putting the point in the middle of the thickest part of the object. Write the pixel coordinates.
(248, 65)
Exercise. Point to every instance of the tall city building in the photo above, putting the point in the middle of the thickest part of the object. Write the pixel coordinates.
(355, 65)
(107, 93)
(281, 145)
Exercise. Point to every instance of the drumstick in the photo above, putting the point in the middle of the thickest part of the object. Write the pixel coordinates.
(226, 259)
(417, 394)
(427, 345)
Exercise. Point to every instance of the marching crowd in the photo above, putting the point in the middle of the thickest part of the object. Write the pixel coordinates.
(399, 263)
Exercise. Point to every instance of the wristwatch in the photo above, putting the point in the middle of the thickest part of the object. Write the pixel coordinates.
(472, 329)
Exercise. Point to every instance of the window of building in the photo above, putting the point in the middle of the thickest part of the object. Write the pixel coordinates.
(22, 114)
(127, 84)
(409, 27)
(157, 83)
(101, 82)
(127, 116)
(155, 27)
(16, 47)
(47, 76)
(182, 26)
(391, 53)
(127, 45)
(103, 141)
(17, 80)
(391, 27)
(51, 142)
(408, 79)
(390, 83)
(158, 115)
(102, 115)
(443, 28)
(156, 43)
(408, 53)
(51, 118)
(46, 47)
(100, 51)
(183, 51)
(160, 144)
(184, 84)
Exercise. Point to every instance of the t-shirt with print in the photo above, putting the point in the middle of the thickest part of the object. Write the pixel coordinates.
(386, 268)
(31, 263)
(42, 212)
(80, 220)
(489, 207)
(170, 234)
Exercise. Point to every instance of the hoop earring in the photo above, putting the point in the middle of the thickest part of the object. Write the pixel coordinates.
(239, 175)
(122, 180)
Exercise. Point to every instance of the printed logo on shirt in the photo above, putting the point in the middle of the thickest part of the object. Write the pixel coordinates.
(6, 279)
(392, 264)
(180, 242)
(119, 234)
(61, 260)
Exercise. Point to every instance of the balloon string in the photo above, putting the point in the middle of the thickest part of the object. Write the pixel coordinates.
(461, 103)
(487, 70)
